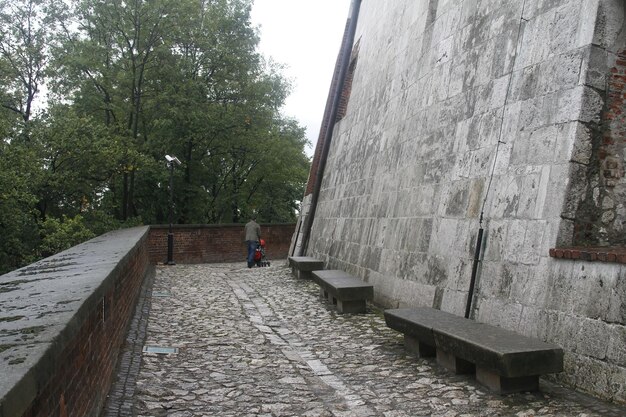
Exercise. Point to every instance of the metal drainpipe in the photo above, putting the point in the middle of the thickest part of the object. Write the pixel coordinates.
(345, 63)
(479, 239)
(479, 244)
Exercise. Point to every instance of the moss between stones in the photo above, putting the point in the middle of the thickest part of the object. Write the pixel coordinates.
(32, 330)
(5, 347)
(11, 285)
(12, 318)
(27, 332)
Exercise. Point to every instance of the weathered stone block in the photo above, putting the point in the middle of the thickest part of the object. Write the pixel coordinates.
(595, 67)
(303, 265)
(418, 348)
(503, 385)
(506, 360)
(454, 364)
(413, 156)
(608, 24)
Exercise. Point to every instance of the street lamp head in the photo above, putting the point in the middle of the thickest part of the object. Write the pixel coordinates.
(172, 160)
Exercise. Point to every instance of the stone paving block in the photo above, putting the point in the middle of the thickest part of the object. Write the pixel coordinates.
(257, 342)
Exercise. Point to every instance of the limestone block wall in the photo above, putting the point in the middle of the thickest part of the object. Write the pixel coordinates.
(601, 216)
(459, 108)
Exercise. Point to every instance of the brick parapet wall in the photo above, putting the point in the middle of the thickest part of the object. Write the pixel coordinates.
(216, 243)
(603, 254)
(64, 319)
(60, 346)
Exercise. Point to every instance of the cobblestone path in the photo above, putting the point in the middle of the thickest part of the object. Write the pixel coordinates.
(258, 342)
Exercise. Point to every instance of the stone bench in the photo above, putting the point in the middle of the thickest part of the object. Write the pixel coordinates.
(302, 266)
(504, 361)
(347, 292)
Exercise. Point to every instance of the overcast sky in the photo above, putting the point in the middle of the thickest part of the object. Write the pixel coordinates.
(304, 35)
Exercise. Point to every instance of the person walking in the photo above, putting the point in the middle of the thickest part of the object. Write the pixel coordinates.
(253, 236)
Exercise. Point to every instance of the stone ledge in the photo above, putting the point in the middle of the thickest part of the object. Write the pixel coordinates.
(62, 321)
(591, 254)
(343, 285)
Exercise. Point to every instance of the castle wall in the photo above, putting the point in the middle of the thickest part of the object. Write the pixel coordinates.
(459, 108)
(601, 216)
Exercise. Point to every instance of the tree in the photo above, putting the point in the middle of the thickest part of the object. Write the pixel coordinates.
(280, 180)
(59, 235)
(130, 82)
(78, 158)
(18, 220)
(24, 39)
(113, 53)
(26, 31)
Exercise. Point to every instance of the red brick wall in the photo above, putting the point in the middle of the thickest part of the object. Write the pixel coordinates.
(347, 84)
(216, 243)
(79, 376)
(326, 119)
(601, 218)
(75, 374)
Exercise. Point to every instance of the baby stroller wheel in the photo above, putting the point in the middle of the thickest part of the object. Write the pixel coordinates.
(259, 255)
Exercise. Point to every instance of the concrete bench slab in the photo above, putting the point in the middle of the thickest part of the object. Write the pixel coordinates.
(504, 360)
(347, 292)
(417, 327)
(302, 266)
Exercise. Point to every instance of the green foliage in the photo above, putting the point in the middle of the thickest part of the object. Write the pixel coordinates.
(17, 207)
(79, 156)
(59, 235)
(128, 83)
(26, 34)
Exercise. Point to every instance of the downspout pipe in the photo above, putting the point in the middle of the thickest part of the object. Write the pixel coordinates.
(479, 238)
(470, 294)
(345, 63)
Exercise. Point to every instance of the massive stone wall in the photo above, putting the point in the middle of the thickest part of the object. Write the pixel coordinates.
(459, 108)
(601, 217)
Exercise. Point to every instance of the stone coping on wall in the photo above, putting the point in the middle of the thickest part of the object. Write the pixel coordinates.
(43, 305)
(591, 254)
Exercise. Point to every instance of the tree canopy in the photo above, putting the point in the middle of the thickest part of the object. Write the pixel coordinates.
(126, 83)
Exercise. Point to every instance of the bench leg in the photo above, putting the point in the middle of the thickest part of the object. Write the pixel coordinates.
(504, 385)
(421, 350)
(305, 275)
(326, 296)
(454, 364)
(354, 306)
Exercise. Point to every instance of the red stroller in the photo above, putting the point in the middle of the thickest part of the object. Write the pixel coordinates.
(259, 254)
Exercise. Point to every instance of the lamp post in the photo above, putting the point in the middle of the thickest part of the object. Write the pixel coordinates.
(171, 160)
